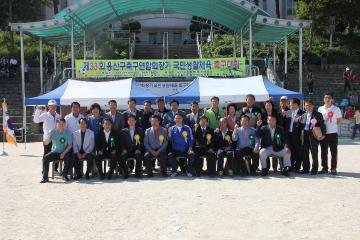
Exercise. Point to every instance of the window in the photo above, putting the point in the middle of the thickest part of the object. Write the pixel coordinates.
(152, 38)
(265, 5)
(290, 6)
(177, 38)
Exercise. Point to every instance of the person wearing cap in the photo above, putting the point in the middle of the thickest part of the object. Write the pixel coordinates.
(48, 119)
(73, 118)
(293, 130)
(332, 117)
(181, 152)
(155, 142)
(132, 144)
(253, 112)
(61, 146)
(246, 145)
(204, 146)
(161, 111)
(170, 115)
(193, 118)
(214, 113)
(132, 110)
(347, 79)
(83, 148)
(117, 118)
(310, 119)
(107, 146)
(95, 120)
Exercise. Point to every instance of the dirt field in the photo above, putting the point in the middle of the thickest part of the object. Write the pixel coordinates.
(300, 207)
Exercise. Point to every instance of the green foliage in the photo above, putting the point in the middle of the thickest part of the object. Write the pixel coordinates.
(131, 25)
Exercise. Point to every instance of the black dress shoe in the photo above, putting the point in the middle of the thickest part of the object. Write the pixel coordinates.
(264, 172)
(102, 176)
(109, 176)
(333, 172)
(87, 176)
(304, 172)
(285, 172)
(323, 171)
(164, 174)
(77, 177)
(313, 172)
(44, 180)
(65, 178)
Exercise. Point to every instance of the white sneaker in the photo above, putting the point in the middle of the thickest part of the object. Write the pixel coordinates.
(189, 174)
(174, 174)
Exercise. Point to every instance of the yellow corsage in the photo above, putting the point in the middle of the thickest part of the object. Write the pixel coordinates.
(185, 135)
(208, 138)
(228, 138)
(137, 139)
(161, 139)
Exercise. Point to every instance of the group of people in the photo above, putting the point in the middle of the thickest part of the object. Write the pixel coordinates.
(233, 141)
(8, 67)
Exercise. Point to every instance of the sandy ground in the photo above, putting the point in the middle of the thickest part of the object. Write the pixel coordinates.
(300, 207)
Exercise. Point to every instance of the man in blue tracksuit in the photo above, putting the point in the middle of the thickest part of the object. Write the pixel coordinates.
(182, 140)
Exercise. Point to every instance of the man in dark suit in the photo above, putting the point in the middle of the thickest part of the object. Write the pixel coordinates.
(133, 111)
(169, 117)
(193, 117)
(204, 146)
(310, 119)
(161, 111)
(147, 115)
(273, 142)
(107, 146)
(132, 143)
(155, 145)
(117, 118)
(224, 147)
(293, 129)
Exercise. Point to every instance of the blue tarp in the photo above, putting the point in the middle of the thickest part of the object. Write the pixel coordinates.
(276, 92)
(56, 94)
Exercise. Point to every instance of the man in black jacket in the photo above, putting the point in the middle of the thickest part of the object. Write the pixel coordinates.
(309, 120)
(204, 146)
(132, 143)
(224, 147)
(107, 146)
(273, 142)
(293, 129)
(193, 117)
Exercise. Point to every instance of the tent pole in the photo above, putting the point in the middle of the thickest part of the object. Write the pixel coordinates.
(250, 46)
(286, 55)
(72, 50)
(41, 67)
(234, 46)
(84, 45)
(23, 82)
(300, 59)
(241, 44)
(274, 58)
(94, 51)
(55, 63)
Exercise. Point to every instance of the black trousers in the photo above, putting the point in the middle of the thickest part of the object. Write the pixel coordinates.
(240, 163)
(113, 161)
(221, 154)
(331, 140)
(52, 156)
(296, 150)
(148, 158)
(186, 163)
(210, 160)
(310, 145)
(347, 85)
(125, 154)
(311, 86)
(89, 157)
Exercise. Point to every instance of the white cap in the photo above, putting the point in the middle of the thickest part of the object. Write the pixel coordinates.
(52, 102)
(347, 68)
(284, 98)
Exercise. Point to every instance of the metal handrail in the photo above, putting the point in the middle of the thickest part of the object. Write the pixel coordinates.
(272, 75)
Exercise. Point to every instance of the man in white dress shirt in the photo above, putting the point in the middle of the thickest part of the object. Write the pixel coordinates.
(73, 118)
